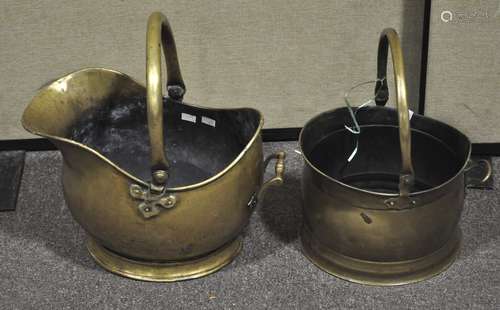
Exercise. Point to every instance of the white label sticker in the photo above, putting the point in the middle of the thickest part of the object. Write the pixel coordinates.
(207, 120)
(188, 117)
(411, 113)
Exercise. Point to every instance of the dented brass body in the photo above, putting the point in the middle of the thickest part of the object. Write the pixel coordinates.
(139, 228)
(391, 215)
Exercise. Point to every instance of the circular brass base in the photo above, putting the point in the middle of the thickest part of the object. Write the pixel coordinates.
(164, 272)
(380, 273)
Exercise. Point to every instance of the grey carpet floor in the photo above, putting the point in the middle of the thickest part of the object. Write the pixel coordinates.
(44, 263)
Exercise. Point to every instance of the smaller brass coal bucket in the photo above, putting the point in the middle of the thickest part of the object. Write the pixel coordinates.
(156, 207)
(390, 216)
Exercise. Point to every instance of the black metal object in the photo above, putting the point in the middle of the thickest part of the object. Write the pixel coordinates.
(11, 170)
(281, 134)
(424, 57)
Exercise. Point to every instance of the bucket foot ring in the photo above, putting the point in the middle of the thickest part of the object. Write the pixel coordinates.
(164, 272)
(380, 273)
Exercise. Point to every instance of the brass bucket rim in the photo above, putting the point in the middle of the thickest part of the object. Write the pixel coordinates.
(27, 126)
(381, 194)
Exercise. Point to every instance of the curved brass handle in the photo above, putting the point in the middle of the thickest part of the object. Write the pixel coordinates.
(279, 169)
(473, 164)
(390, 38)
(159, 34)
(489, 170)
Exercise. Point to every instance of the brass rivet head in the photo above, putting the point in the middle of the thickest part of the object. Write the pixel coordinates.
(407, 179)
(168, 201)
(160, 176)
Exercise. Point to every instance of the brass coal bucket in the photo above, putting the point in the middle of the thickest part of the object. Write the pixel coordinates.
(390, 216)
(156, 207)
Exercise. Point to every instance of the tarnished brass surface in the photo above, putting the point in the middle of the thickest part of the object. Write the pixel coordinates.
(160, 35)
(373, 236)
(279, 170)
(389, 38)
(381, 273)
(164, 272)
(194, 230)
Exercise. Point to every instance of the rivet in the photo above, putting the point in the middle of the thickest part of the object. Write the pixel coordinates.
(160, 176)
(168, 201)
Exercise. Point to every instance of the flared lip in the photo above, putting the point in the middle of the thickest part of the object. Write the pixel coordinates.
(388, 195)
(218, 175)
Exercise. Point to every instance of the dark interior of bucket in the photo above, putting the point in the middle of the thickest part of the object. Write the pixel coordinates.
(199, 142)
(377, 164)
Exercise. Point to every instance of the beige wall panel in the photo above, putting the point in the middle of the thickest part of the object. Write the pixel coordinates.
(289, 58)
(463, 75)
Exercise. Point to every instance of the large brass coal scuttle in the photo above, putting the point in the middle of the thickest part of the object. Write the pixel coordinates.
(390, 216)
(156, 207)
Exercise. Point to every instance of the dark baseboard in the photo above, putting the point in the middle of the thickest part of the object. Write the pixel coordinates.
(424, 57)
(268, 135)
(486, 149)
(281, 134)
(36, 144)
